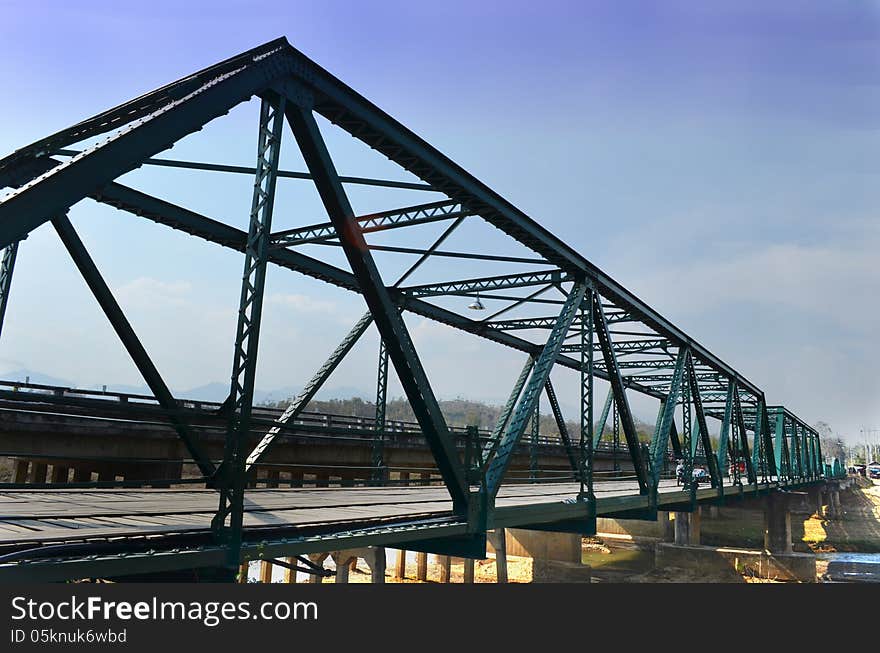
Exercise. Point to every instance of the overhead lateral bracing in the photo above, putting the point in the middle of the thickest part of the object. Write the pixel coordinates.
(550, 303)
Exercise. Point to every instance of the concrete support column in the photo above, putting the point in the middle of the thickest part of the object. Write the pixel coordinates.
(377, 565)
(106, 475)
(469, 568)
(498, 540)
(296, 478)
(289, 574)
(426, 478)
(400, 564)
(445, 563)
(272, 478)
(777, 524)
(265, 571)
(21, 471)
(322, 479)
(60, 474)
(38, 472)
(820, 503)
(404, 478)
(318, 559)
(834, 504)
(421, 566)
(668, 525)
(694, 522)
(681, 528)
(343, 566)
(82, 474)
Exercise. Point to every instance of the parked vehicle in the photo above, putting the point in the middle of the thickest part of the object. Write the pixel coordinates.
(700, 475)
(874, 471)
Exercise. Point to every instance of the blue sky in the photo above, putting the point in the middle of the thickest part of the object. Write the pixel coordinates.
(719, 159)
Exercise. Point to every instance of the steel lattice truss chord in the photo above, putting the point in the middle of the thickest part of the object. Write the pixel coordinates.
(549, 303)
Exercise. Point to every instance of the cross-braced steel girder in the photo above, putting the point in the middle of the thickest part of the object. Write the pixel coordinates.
(405, 217)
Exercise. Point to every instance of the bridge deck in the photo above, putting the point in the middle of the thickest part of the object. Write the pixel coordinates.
(41, 516)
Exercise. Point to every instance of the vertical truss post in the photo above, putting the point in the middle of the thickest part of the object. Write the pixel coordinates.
(129, 339)
(798, 453)
(563, 429)
(734, 443)
(744, 438)
(7, 266)
(543, 364)
(779, 442)
(666, 421)
(247, 335)
(767, 439)
(711, 461)
(725, 430)
(393, 331)
(815, 454)
(620, 400)
(533, 444)
(615, 438)
(311, 388)
(492, 445)
(378, 463)
(758, 457)
(587, 436)
(687, 434)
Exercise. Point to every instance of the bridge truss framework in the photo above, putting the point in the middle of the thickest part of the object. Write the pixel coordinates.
(557, 309)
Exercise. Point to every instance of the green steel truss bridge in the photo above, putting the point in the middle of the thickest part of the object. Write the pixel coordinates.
(553, 308)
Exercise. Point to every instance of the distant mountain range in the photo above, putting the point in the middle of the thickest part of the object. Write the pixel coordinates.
(215, 391)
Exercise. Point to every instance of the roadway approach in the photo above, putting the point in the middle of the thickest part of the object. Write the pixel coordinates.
(539, 300)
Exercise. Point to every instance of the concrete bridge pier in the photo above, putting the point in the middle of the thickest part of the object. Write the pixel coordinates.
(834, 510)
(556, 557)
(317, 559)
(498, 540)
(686, 526)
(777, 524)
(21, 471)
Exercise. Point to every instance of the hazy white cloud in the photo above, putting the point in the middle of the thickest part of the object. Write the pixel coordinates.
(300, 302)
(147, 292)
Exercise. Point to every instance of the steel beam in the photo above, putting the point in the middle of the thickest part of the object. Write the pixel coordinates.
(56, 190)
(282, 174)
(311, 388)
(504, 417)
(725, 429)
(388, 319)
(405, 217)
(247, 335)
(560, 424)
(711, 461)
(486, 284)
(603, 419)
(543, 364)
(587, 399)
(666, 422)
(378, 454)
(7, 267)
(129, 339)
(744, 439)
(620, 400)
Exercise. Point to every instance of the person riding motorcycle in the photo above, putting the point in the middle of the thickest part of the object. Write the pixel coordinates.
(679, 472)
